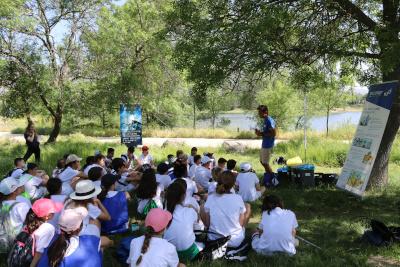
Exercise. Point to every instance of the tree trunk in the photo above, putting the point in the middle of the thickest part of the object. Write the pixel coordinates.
(327, 123)
(194, 115)
(379, 173)
(56, 128)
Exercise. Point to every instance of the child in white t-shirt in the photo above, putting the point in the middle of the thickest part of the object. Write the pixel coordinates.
(59, 168)
(99, 161)
(19, 165)
(196, 163)
(71, 174)
(35, 182)
(226, 213)
(151, 249)
(10, 189)
(162, 176)
(184, 218)
(85, 197)
(216, 172)
(128, 180)
(248, 184)
(277, 229)
(145, 157)
(149, 193)
(36, 224)
(54, 187)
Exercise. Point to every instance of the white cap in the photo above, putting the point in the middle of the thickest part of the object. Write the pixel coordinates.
(205, 160)
(245, 166)
(9, 185)
(72, 158)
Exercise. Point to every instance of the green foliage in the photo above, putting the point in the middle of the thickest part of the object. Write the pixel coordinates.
(131, 63)
(283, 101)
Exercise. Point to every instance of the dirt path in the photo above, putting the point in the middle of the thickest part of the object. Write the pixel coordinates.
(155, 141)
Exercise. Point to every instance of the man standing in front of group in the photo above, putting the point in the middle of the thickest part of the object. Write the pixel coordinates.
(268, 134)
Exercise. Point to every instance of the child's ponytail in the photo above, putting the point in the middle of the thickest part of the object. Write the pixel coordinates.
(271, 202)
(226, 182)
(57, 250)
(175, 195)
(146, 243)
(32, 222)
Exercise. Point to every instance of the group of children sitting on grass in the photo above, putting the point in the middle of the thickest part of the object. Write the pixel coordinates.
(68, 219)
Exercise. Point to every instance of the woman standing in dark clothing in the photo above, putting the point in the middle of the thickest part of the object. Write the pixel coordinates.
(32, 142)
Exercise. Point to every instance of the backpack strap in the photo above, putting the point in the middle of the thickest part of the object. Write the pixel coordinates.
(8, 208)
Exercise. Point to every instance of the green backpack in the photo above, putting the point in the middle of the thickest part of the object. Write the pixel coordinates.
(150, 205)
(8, 233)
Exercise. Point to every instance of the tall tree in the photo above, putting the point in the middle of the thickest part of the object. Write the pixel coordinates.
(131, 62)
(217, 38)
(36, 25)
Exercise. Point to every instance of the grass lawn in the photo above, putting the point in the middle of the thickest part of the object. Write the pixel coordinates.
(330, 218)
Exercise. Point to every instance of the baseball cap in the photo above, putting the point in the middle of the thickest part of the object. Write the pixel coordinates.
(9, 185)
(158, 219)
(70, 220)
(72, 158)
(145, 148)
(44, 206)
(205, 160)
(109, 179)
(245, 166)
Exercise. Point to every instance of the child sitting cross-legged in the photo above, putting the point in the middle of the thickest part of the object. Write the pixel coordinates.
(277, 229)
(248, 183)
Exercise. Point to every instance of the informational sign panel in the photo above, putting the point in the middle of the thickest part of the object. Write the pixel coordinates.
(131, 124)
(361, 157)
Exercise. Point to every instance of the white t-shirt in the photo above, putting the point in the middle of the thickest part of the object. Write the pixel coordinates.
(56, 217)
(225, 211)
(247, 182)
(180, 232)
(148, 159)
(191, 160)
(33, 187)
(43, 236)
(66, 177)
(192, 171)
(191, 187)
(17, 213)
(164, 180)
(277, 232)
(157, 199)
(160, 253)
(202, 176)
(123, 185)
(87, 169)
(17, 172)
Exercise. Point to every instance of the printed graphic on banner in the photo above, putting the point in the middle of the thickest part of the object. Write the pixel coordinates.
(130, 124)
(361, 157)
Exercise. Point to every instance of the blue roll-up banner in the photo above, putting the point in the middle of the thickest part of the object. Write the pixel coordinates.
(367, 140)
(131, 124)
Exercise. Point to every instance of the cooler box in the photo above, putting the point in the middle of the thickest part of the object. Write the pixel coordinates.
(304, 175)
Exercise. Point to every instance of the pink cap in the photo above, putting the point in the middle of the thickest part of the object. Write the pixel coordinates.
(158, 219)
(44, 206)
(71, 220)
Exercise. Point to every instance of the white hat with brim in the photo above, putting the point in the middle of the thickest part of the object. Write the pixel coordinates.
(85, 189)
(72, 158)
(205, 160)
(245, 167)
(9, 185)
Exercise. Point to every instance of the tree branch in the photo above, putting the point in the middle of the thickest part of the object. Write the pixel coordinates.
(355, 12)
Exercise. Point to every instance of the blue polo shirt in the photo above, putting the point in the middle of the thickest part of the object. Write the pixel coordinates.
(268, 142)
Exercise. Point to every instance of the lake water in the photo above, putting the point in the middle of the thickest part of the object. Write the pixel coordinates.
(245, 121)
